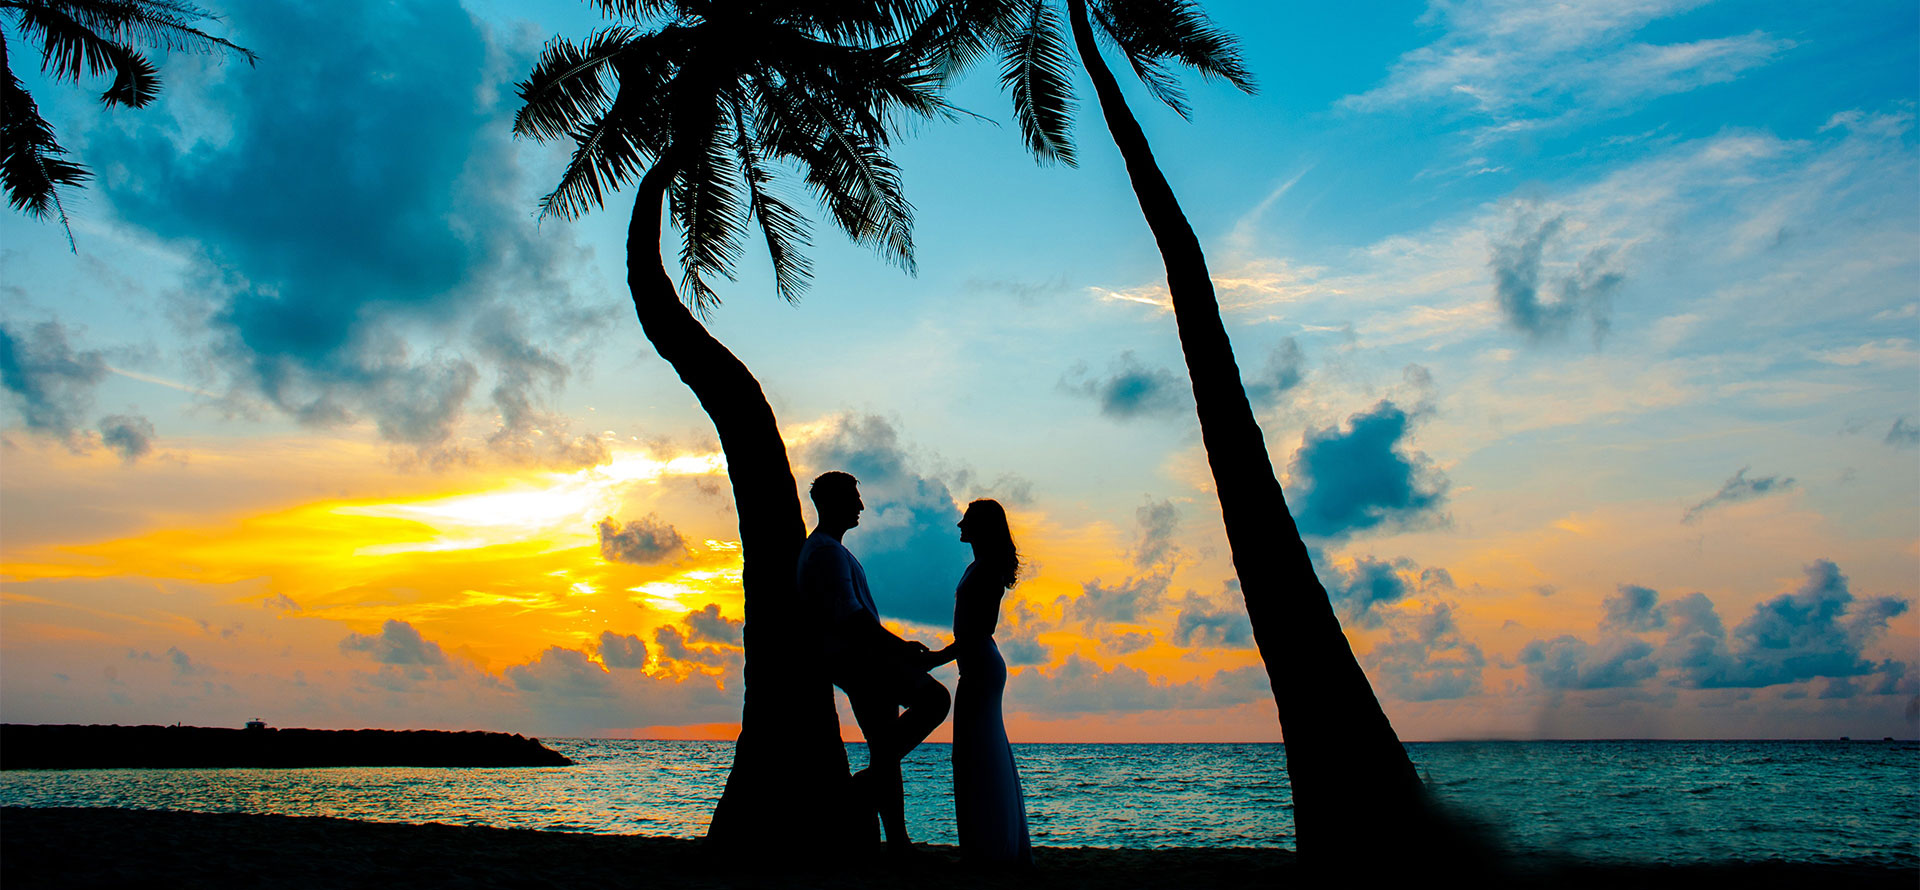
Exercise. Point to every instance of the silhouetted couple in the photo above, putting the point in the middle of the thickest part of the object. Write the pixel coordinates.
(883, 674)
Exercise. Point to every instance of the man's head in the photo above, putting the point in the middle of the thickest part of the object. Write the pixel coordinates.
(836, 497)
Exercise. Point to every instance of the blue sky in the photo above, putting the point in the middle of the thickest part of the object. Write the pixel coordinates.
(1539, 308)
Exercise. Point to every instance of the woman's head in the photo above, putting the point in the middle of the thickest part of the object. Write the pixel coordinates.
(985, 527)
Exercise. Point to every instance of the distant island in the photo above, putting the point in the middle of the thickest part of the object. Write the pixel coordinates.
(69, 746)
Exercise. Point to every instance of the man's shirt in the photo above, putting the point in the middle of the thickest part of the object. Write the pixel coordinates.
(831, 580)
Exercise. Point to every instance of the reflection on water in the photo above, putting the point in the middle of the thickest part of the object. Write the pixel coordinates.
(1644, 801)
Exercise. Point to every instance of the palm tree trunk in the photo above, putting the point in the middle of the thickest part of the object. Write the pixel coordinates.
(788, 790)
(1349, 772)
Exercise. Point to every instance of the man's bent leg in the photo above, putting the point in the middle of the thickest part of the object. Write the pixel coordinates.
(927, 706)
(891, 735)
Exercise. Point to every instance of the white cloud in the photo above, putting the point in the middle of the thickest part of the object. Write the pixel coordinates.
(1522, 63)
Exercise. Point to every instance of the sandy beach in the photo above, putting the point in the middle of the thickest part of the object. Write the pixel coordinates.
(120, 848)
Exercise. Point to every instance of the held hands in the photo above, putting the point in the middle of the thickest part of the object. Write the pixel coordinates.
(930, 659)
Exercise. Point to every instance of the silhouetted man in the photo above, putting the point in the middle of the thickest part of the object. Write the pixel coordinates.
(880, 672)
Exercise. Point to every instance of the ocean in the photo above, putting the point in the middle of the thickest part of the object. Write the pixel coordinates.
(1637, 801)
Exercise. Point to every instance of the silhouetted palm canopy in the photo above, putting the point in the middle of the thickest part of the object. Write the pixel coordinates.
(1031, 39)
(83, 38)
(732, 95)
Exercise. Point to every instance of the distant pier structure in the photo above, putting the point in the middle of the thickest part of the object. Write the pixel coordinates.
(256, 725)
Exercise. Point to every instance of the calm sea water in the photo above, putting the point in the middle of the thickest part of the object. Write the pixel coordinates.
(1639, 801)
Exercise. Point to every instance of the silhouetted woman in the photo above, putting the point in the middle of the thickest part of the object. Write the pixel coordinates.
(986, 787)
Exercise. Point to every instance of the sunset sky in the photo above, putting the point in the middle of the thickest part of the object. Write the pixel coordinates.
(1583, 338)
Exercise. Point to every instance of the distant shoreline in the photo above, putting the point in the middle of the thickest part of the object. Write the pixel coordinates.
(73, 746)
(107, 847)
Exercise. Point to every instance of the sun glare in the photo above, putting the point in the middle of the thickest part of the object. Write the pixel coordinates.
(554, 507)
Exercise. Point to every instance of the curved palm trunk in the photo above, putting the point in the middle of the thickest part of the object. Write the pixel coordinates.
(789, 787)
(1349, 773)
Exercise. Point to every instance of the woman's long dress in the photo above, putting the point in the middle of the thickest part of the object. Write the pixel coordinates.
(986, 787)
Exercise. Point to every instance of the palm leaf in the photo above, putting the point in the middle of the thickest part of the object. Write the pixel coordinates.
(1176, 30)
(637, 10)
(1161, 84)
(705, 205)
(161, 24)
(953, 35)
(136, 81)
(569, 84)
(784, 228)
(604, 159)
(68, 48)
(1034, 67)
(31, 170)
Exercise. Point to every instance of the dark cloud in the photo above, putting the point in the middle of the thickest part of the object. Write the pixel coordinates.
(1128, 602)
(1158, 521)
(1028, 293)
(1130, 389)
(1284, 370)
(397, 643)
(1819, 630)
(1519, 282)
(1020, 643)
(184, 666)
(363, 196)
(128, 435)
(1360, 478)
(907, 541)
(1080, 686)
(1010, 489)
(1358, 592)
(622, 650)
(709, 626)
(1426, 659)
(1127, 643)
(1199, 625)
(1020, 650)
(563, 673)
(50, 383)
(1633, 608)
(673, 646)
(1737, 489)
(644, 541)
(1568, 662)
(1903, 434)
(527, 377)
(280, 602)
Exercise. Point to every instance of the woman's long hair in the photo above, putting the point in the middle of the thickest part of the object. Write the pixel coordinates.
(993, 541)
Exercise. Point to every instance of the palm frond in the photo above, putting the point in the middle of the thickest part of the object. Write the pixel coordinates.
(637, 10)
(167, 25)
(850, 173)
(1161, 83)
(569, 84)
(1035, 67)
(605, 157)
(31, 169)
(68, 48)
(952, 35)
(872, 88)
(783, 227)
(705, 205)
(136, 81)
(1176, 30)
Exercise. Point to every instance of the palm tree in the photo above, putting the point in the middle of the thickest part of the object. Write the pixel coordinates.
(83, 38)
(1348, 770)
(702, 112)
